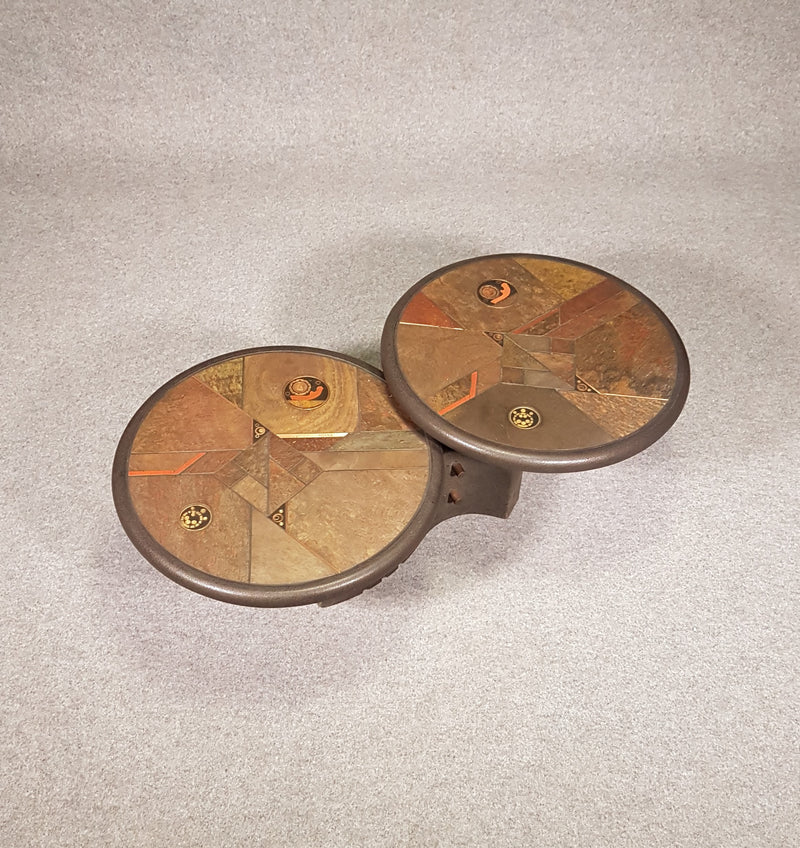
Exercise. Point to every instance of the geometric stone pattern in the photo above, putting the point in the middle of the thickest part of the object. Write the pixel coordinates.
(591, 357)
(295, 494)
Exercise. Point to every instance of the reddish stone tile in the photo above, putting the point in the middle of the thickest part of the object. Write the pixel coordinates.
(421, 310)
(586, 300)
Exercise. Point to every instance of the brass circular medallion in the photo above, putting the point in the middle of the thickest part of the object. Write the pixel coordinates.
(496, 292)
(524, 417)
(195, 517)
(306, 392)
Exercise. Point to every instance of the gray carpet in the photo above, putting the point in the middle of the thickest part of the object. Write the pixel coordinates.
(614, 665)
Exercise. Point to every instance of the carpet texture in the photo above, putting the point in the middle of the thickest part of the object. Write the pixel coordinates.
(614, 665)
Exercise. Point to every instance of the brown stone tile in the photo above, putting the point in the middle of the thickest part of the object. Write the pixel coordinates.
(533, 344)
(515, 356)
(292, 460)
(576, 328)
(432, 358)
(278, 559)
(253, 492)
(620, 416)
(255, 460)
(630, 355)
(225, 378)
(563, 278)
(267, 374)
(540, 325)
(563, 427)
(230, 473)
(546, 380)
(456, 293)
(488, 375)
(420, 310)
(211, 462)
(191, 416)
(597, 315)
(282, 486)
(360, 460)
(222, 548)
(381, 440)
(561, 364)
(616, 305)
(347, 516)
(513, 375)
(305, 470)
(562, 346)
(377, 409)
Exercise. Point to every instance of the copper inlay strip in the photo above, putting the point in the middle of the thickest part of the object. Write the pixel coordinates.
(473, 389)
(170, 472)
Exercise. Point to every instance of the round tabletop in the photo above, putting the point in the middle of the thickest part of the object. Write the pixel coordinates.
(275, 476)
(535, 362)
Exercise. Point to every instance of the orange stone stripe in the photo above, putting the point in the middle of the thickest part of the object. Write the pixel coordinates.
(311, 396)
(473, 389)
(505, 291)
(169, 472)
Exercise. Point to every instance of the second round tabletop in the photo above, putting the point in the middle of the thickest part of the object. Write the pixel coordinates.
(535, 362)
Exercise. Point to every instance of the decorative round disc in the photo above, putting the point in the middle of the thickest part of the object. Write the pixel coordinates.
(535, 362)
(273, 476)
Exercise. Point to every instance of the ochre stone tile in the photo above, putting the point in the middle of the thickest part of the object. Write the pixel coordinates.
(191, 416)
(377, 409)
(278, 559)
(222, 548)
(347, 516)
(312, 445)
(225, 378)
(420, 310)
(563, 278)
(620, 416)
(266, 375)
(456, 293)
